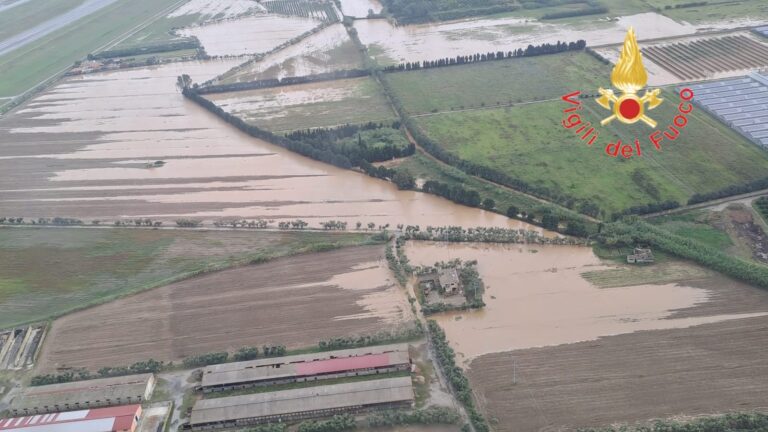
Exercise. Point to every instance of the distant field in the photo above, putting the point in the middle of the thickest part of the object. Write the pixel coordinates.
(48, 272)
(27, 15)
(295, 302)
(328, 103)
(26, 67)
(524, 141)
(713, 10)
(498, 82)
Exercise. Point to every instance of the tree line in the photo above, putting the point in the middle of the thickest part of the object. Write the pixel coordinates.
(383, 337)
(446, 359)
(274, 82)
(730, 190)
(185, 44)
(530, 51)
(648, 208)
(632, 230)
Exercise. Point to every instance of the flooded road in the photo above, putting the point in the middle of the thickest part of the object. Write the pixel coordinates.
(535, 297)
(80, 149)
(449, 39)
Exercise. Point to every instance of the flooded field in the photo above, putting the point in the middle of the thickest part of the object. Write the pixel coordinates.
(80, 149)
(251, 35)
(217, 9)
(295, 302)
(360, 8)
(536, 296)
(431, 41)
(569, 341)
(328, 50)
(320, 104)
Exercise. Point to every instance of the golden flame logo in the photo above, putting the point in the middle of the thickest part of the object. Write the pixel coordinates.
(629, 76)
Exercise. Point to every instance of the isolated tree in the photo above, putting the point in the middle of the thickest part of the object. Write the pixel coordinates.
(489, 204)
(512, 212)
(404, 179)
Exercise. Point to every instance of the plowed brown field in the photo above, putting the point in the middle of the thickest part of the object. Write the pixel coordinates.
(295, 302)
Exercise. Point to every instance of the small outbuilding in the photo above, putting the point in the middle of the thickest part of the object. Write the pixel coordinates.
(449, 280)
(641, 256)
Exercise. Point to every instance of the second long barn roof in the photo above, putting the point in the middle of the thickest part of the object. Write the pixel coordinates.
(364, 393)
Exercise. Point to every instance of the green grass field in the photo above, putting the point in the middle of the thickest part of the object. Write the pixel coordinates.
(717, 10)
(694, 225)
(528, 142)
(498, 82)
(46, 272)
(27, 15)
(26, 67)
(159, 31)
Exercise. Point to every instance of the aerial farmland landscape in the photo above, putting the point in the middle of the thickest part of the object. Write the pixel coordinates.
(384, 215)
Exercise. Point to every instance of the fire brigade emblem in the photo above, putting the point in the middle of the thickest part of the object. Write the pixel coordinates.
(629, 77)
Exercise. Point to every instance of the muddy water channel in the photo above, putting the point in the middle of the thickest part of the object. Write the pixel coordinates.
(536, 297)
(81, 149)
(430, 41)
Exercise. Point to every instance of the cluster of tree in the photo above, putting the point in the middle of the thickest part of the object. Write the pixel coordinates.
(258, 223)
(269, 427)
(273, 350)
(416, 11)
(530, 51)
(632, 230)
(590, 10)
(184, 44)
(298, 224)
(149, 366)
(731, 422)
(396, 266)
(362, 144)
(57, 221)
(382, 337)
(427, 416)
(336, 423)
(245, 353)
(482, 235)
(274, 82)
(334, 225)
(648, 208)
(446, 358)
(584, 206)
(472, 284)
(455, 193)
(730, 190)
(188, 223)
(138, 223)
(205, 359)
(12, 220)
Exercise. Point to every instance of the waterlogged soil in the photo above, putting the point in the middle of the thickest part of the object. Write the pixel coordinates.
(432, 41)
(320, 104)
(294, 301)
(80, 149)
(536, 296)
(217, 9)
(552, 351)
(328, 50)
(252, 35)
(360, 8)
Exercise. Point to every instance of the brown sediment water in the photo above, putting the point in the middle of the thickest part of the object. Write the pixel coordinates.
(449, 39)
(315, 54)
(252, 35)
(101, 129)
(217, 9)
(536, 297)
(360, 8)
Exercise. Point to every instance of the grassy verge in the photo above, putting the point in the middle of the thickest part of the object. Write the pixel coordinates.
(50, 272)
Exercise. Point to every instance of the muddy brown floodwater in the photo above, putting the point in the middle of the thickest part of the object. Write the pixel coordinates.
(537, 297)
(80, 149)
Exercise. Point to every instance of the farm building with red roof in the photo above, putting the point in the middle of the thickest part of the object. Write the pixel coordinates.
(123, 418)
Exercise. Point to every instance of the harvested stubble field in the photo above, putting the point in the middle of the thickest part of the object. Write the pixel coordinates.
(635, 377)
(295, 302)
(46, 272)
(302, 106)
